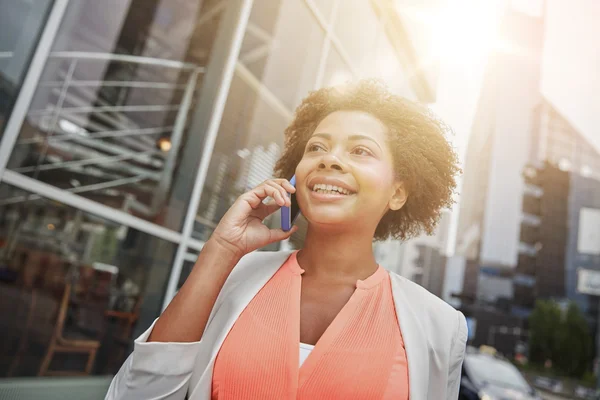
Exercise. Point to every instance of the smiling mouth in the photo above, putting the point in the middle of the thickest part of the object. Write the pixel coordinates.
(330, 189)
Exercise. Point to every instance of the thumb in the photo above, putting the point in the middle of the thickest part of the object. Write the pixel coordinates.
(279, 234)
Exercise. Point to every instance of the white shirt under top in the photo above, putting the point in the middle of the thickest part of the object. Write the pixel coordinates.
(305, 350)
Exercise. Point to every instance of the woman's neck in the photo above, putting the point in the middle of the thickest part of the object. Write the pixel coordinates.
(337, 256)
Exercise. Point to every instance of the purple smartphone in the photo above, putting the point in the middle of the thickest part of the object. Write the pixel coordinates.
(289, 214)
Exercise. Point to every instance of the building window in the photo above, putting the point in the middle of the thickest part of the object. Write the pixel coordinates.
(109, 115)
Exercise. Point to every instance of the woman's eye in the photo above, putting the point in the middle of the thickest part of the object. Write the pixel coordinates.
(361, 151)
(315, 147)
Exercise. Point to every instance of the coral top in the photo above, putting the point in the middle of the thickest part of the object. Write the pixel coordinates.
(361, 355)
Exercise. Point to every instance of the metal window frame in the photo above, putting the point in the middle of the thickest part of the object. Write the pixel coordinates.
(330, 37)
(65, 197)
(325, 50)
(236, 15)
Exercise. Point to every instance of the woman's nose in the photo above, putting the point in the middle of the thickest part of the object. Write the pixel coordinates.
(331, 161)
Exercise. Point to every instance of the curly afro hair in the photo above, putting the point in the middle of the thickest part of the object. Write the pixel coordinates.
(423, 158)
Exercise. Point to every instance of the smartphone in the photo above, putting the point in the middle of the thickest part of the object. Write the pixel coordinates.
(289, 214)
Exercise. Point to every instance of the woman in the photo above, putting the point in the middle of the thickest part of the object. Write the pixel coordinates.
(326, 322)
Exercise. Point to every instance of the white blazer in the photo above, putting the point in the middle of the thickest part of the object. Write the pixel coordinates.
(434, 334)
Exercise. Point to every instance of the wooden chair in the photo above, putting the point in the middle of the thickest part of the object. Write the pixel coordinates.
(61, 344)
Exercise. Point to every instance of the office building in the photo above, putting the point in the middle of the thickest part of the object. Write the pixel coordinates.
(561, 216)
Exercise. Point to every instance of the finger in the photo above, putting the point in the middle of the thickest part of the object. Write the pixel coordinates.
(279, 234)
(278, 197)
(276, 192)
(281, 190)
(255, 196)
(285, 184)
(288, 186)
(270, 203)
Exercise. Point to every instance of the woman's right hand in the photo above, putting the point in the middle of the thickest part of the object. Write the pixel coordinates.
(241, 230)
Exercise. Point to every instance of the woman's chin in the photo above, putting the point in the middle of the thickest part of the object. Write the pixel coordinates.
(330, 222)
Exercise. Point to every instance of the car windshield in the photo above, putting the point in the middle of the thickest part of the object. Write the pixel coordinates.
(483, 368)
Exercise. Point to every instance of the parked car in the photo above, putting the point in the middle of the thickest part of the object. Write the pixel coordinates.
(549, 384)
(486, 377)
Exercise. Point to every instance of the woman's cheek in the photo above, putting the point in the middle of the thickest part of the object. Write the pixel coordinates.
(378, 178)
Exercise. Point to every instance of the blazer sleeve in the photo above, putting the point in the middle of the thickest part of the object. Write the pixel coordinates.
(155, 370)
(457, 354)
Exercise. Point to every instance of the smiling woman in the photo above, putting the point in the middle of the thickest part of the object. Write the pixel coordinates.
(422, 158)
(325, 322)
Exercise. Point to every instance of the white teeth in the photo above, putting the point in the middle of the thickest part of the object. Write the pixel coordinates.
(331, 189)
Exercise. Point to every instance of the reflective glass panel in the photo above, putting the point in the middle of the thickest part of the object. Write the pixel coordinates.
(69, 273)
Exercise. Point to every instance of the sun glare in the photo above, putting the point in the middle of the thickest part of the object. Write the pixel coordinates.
(464, 31)
(467, 30)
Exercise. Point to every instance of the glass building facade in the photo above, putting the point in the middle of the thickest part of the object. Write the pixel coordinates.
(127, 128)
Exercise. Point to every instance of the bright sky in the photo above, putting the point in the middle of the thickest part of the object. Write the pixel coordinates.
(571, 64)
(461, 33)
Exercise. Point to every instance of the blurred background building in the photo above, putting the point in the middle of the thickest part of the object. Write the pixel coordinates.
(530, 202)
(127, 129)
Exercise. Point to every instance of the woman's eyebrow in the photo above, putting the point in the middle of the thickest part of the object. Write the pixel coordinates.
(364, 137)
(351, 137)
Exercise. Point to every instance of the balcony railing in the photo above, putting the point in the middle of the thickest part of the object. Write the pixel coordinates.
(110, 142)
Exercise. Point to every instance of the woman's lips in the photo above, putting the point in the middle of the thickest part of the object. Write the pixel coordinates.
(329, 196)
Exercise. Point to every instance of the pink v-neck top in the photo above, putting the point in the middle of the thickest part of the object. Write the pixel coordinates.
(361, 355)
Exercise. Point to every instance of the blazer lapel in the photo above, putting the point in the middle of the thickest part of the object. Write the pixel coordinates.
(248, 277)
(415, 341)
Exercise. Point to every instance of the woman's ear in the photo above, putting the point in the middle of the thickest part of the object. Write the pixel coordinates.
(399, 197)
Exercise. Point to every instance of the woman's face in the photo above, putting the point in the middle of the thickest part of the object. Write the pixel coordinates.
(346, 178)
